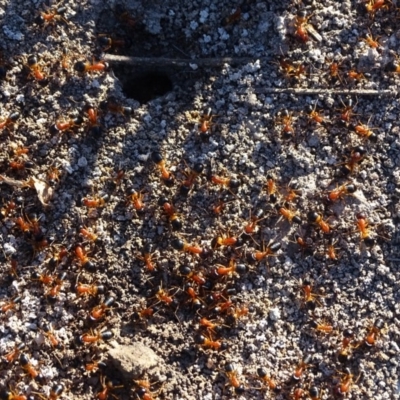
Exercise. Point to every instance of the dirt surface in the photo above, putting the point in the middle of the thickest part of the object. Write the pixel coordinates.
(142, 181)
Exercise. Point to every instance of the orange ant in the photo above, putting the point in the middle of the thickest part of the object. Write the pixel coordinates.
(286, 119)
(10, 120)
(107, 387)
(316, 218)
(13, 354)
(85, 66)
(53, 176)
(91, 290)
(29, 368)
(251, 225)
(374, 332)
(269, 251)
(289, 215)
(321, 327)
(314, 115)
(173, 217)
(232, 376)
(98, 312)
(51, 16)
(94, 337)
(8, 209)
(12, 395)
(356, 156)
(301, 367)
(94, 366)
(166, 176)
(147, 258)
(36, 71)
(191, 275)
(10, 305)
(49, 333)
(230, 183)
(180, 245)
(83, 258)
(163, 297)
(373, 6)
(343, 354)
(356, 76)
(96, 202)
(221, 240)
(208, 343)
(341, 191)
(365, 132)
(65, 125)
(90, 235)
(371, 42)
(345, 384)
(272, 189)
(310, 298)
(331, 252)
(54, 291)
(136, 199)
(93, 117)
(231, 269)
(290, 70)
(188, 183)
(362, 225)
(271, 384)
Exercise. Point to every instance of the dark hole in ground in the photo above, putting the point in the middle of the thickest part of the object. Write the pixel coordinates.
(144, 86)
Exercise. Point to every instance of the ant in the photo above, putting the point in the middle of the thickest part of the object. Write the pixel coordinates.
(94, 337)
(8, 209)
(163, 297)
(314, 115)
(53, 176)
(393, 67)
(180, 245)
(95, 365)
(166, 176)
(14, 353)
(96, 202)
(258, 256)
(331, 251)
(210, 326)
(110, 42)
(112, 105)
(345, 384)
(231, 269)
(271, 384)
(341, 191)
(189, 274)
(93, 116)
(107, 387)
(233, 379)
(286, 120)
(291, 70)
(98, 312)
(220, 241)
(310, 298)
(374, 332)
(356, 156)
(316, 218)
(86, 66)
(356, 76)
(10, 120)
(321, 327)
(10, 305)
(51, 16)
(36, 70)
(90, 236)
(66, 125)
(362, 225)
(347, 112)
(190, 179)
(208, 343)
(29, 368)
(365, 132)
(12, 395)
(272, 189)
(373, 6)
(91, 290)
(173, 217)
(251, 226)
(194, 298)
(348, 337)
(230, 183)
(48, 331)
(147, 258)
(301, 367)
(136, 199)
(53, 292)
(334, 70)
(288, 214)
(83, 258)
(371, 42)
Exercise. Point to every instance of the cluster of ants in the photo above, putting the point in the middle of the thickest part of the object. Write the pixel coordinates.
(208, 294)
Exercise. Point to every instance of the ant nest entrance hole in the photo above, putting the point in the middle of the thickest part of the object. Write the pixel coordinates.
(142, 85)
